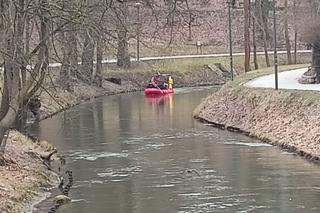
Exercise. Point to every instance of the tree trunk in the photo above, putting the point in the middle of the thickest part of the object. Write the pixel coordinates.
(286, 32)
(70, 58)
(74, 65)
(190, 21)
(316, 60)
(190, 29)
(21, 16)
(28, 30)
(171, 12)
(87, 57)
(264, 32)
(65, 67)
(247, 35)
(98, 72)
(4, 132)
(123, 57)
(254, 42)
(295, 30)
(11, 103)
(265, 8)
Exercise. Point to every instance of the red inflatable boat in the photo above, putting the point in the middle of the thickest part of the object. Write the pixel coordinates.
(157, 91)
(160, 84)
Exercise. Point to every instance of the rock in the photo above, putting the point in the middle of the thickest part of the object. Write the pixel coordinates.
(34, 105)
(309, 77)
(114, 80)
(61, 199)
(46, 146)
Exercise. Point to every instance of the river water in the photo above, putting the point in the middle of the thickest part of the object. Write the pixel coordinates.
(132, 154)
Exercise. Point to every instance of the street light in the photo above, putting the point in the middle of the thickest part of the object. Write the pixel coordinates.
(230, 3)
(138, 6)
(275, 45)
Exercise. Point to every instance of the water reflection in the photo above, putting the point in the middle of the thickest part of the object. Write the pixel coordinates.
(130, 153)
(161, 105)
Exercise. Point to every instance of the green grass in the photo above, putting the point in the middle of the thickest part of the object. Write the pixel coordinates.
(194, 64)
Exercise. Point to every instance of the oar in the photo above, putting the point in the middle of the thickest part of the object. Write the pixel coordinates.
(160, 89)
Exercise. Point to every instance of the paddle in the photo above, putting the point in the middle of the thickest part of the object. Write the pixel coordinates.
(160, 89)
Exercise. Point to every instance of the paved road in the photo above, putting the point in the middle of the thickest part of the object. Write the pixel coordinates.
(287, 80)
(187, 56)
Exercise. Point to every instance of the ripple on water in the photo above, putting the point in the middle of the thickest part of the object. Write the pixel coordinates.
(92, 156)
(121, 173)
(175, 134)
(164, 186)
(79, 200)
(247, 144)
(198, 160)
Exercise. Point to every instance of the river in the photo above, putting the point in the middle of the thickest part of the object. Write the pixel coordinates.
(132, 154)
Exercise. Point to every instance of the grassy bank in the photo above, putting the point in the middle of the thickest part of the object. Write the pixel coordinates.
(186, 65)
(25, 178)
(186, 72)
(286, 118)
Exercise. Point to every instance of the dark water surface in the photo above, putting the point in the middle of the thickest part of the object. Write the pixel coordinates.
(131, 154)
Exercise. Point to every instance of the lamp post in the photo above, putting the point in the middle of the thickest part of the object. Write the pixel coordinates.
(138, 5)
(230, 4)
(275, 46)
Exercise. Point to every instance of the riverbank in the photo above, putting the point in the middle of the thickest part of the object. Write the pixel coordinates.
(115, 81)
(54, 100)
(286, 118)
(20, 194)
(25, 179)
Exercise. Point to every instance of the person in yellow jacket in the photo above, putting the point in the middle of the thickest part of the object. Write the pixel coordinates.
(170, 82)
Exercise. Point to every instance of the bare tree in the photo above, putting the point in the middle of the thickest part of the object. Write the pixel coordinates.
(286, 32)
(15, 94)
(247, 35)
(87, 55)
(295, 30)
(313, 36)
(121, 11)
(98, 71)
(254, 37)
(69, 44)
(264, 28)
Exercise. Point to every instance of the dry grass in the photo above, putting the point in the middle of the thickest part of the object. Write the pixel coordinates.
(286, 118)
(24, 179)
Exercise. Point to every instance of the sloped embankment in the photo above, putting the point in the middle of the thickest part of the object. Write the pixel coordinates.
(204, 75)
(286, 118)
(25, 178)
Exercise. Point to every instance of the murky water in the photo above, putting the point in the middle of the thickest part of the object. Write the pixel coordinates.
(132, 154)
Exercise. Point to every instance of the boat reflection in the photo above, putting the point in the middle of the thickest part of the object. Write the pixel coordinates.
(159, 99)
(160, 102)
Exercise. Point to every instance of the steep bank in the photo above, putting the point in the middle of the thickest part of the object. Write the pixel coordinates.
(25, 178)
(286, 118)
(55, 99)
